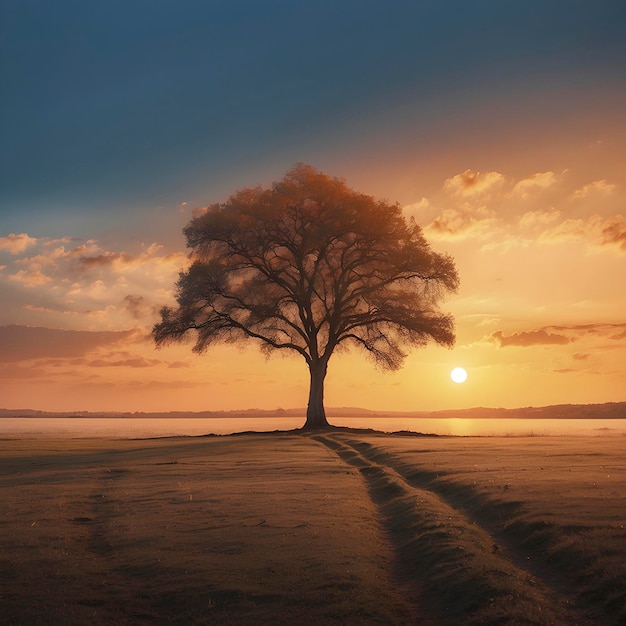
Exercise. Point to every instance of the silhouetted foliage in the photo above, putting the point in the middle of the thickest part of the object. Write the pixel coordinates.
(311, 266)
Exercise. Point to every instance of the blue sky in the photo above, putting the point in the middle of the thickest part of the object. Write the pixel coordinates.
(499, 126)
(120, 105)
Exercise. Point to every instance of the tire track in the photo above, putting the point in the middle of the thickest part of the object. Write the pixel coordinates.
(523, 543)
(467, 577)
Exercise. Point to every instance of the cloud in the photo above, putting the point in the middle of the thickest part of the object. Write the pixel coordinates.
(30, 278)
(598, 328)
(43, 309)
(139, 307)
(116, 286)
(16, 244)
(529, 338)
(199, 211)
(613, 232)
(538, 218)
(416, 209)
(107, 259)
(613, 332)
(597, 187)
(178, 365)
(596, 230)
(533, 183)
(14, 371)
(495, 208)
(131, 362)
(22, 343)
(469, 183)
(580, 356)
(56, 242)
(561, 335)
(462, 223)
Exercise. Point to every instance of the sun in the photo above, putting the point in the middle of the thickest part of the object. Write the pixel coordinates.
(458, 375)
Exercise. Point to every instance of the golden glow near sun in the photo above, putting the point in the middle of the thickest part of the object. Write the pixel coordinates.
(458, 375)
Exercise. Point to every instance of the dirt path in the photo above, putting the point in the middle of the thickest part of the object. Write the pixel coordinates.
(335, 528)
(470, 573)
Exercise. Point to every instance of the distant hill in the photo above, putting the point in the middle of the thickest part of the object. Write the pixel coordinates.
(607, 410)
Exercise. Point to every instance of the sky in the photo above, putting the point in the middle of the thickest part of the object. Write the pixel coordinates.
(499, 126)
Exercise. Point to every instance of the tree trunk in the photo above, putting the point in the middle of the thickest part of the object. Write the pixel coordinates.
(315, 413)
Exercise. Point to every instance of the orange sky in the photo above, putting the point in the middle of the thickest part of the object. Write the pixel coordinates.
(500, 128)
(540, 312)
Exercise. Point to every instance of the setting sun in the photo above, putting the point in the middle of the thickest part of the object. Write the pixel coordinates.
(458, 375)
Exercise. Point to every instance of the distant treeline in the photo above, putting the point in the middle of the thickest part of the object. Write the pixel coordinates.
(607, 410)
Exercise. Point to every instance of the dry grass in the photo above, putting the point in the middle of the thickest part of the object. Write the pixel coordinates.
(233, 530)
(341, 528)
(555, 508)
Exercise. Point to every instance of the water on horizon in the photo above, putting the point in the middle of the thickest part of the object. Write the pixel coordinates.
(131, 428)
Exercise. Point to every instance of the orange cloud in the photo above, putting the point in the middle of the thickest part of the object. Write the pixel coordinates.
(529, 338)
(613, 232)
(139, 307)
(600, 187)
(561, 335)
(34, 278)
(16, 244)
(416, 209)
(115, 287)
(22, 343)
(43, 309)
(533, 183)
(131, 362)
(539, 218)
(595, 230)
(103, 260)
(198, 211)
(461, 223)
(470, 183)
(494, 207)
(598, 329)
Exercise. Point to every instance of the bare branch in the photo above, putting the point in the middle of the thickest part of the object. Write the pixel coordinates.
(309, 265)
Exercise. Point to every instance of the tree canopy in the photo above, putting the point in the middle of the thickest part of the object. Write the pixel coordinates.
(311, 266)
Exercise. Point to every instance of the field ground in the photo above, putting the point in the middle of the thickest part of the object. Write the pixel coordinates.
(341, 527)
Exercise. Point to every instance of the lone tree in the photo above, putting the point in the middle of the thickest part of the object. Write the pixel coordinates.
(311, 266)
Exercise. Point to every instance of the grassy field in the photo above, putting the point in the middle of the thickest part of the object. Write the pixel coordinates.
(340, 527)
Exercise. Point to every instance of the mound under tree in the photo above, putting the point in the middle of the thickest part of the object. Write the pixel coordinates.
(312, 266)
